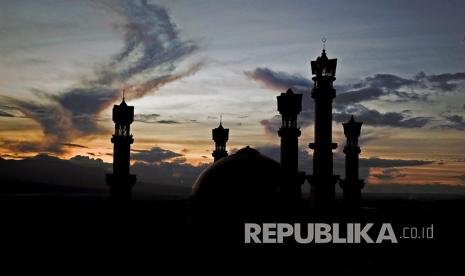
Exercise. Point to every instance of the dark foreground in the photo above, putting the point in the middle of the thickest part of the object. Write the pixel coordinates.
(81, 229)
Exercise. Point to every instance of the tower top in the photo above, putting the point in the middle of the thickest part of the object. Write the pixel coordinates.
(352, 128)
(220, 133)
(289, 103)
(123, 114)
(323, 66)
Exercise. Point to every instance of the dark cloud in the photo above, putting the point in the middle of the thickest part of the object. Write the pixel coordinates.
(168, 122)
(21, 146)
(146, 118)
(386, 81)
(357, 96)
(151, 35)
(5, 114)
(387, 88)
(84, 104)
(74, 145)
(86, 161)
(392, 163)
(375, 118)
(89, 173)
(389, 166)
(445, 82)
(272, 125)
(154, 155)
(280, 81)
(83, 174)
(155, 119)
(453, 122)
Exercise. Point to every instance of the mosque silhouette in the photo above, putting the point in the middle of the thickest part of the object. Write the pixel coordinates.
(248, 181)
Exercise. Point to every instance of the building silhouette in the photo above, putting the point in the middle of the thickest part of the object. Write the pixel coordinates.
(352, 185)
(248, 181)
(121, 181)
(289, 106)
(220, 135)
(323, 181)
(243, 183)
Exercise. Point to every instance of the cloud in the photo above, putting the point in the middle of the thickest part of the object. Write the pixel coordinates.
(74, 145)
(445, 82)
(375, 118)
(357, 96)
(168, 122)
(146, 118)
(386, 81)
(384, 88)
(389, 174)
(21, 146)
(453, 122)
(89, 173)
(277, 80)
(149, 59)
(272, 125)
(392, 163)
(389, 166)
(154, 119)
(154, 155)
(5, 114)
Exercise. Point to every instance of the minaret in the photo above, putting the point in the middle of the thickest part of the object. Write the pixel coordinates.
(220, 135)
(290, 105)
(121, 181)
(352, 185)
(322, 193)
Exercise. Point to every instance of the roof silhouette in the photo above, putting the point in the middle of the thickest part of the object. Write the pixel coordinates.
(242, 179)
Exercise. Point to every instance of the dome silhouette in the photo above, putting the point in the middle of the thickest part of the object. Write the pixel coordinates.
(241, 180)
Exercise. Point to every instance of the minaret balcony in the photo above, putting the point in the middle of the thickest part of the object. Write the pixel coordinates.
(322, 146)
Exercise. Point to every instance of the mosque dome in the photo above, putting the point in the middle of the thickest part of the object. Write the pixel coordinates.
(244, 179)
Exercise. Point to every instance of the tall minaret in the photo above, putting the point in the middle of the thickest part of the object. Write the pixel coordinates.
(220, 135)
(121, 181)
(322, 193)
(290, 105)
(351, 185)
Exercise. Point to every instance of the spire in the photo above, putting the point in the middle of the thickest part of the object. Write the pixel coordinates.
(323, 39)
(123, 103)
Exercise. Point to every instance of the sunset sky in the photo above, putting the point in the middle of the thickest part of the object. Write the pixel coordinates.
(401, 70)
